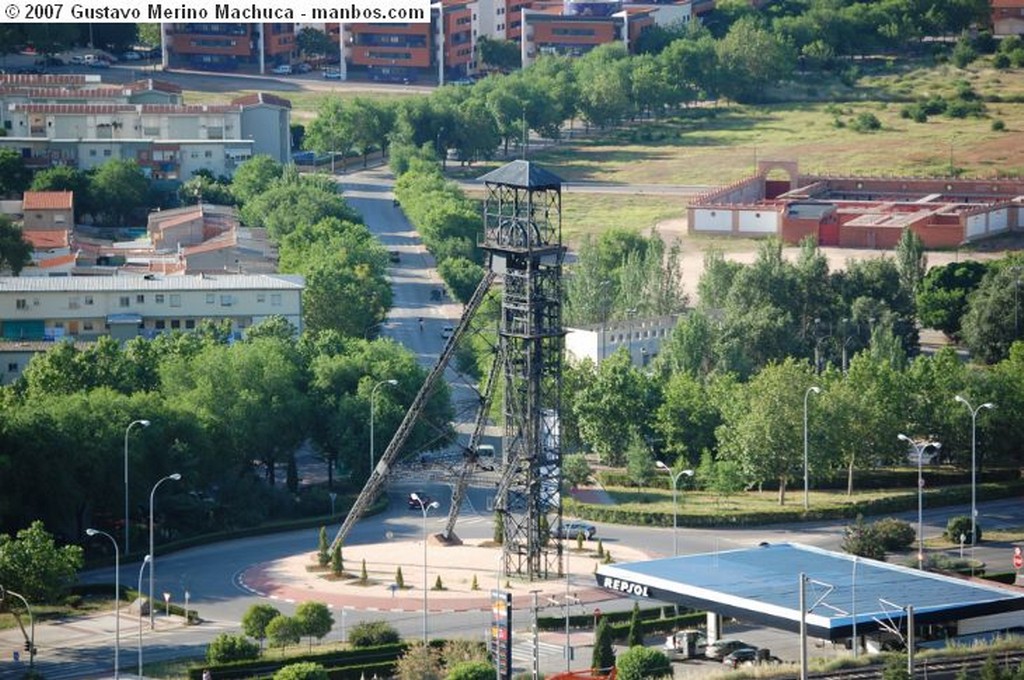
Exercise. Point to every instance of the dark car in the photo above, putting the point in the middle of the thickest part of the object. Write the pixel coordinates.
(745, 656)
(723, 648)
(424, 501)
(394, 256)
(49, 60)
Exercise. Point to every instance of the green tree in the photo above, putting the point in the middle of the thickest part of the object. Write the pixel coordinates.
(618, 388)
(943, 294)
(15, 251)
(763, 429)
(33, 565)
(14, 176)
(66, 178)
(313, 42)
(315, 620)
(686, 418)
(504, 55)
(149, 34)
(896, 668)
(461, 276)
(121, 192)
(636, 634)
(639, 461)
(911, 261)
(256, 619)
(604, 656)
(400, 578)
(283, 631)
(988, 330)
(642, 663)
(337, 563)
(306, 670)
(254, 176)
(420, 662)
(226, 648)
(323, 555)
(575, 470)
(752, 58)
(860, 539)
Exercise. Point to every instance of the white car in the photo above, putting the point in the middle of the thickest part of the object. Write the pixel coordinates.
(447, 332)
(283, 70)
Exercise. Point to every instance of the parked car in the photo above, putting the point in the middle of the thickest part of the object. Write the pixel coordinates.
(77, 59)
(131, 55)
(283, 69)
(574, 528)
(303, 67)
(394, 256)
(332, 74)
(415, 504)
(447, 332)
(100, 63)
(49, 60)
(685, 644)
(744, 656)
(723, 648)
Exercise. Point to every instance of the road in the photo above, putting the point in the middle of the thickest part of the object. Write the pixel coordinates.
(210, 573)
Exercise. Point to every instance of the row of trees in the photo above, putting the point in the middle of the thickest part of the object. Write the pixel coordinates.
(219, 413)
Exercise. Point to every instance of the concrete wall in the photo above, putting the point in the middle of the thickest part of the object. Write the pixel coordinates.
(705, 220)
(760, 222)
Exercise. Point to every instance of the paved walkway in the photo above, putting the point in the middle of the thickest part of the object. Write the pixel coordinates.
(298, 578)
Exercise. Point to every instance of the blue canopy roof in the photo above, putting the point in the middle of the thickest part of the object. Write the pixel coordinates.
(762, 585)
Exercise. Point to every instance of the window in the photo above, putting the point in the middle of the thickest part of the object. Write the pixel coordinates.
(208, 154)
(261, 297)
(175, 323)
(275, 299)
(106, 153)
(87, 325)
(92, 152)
(12, 368)
(225, 300)
(123, 301)
(160, 324)
(190, 324)
(210, 298)
(21, 303)
(73, 303)
(88, 299)
(175, 300)
(140, 299)
(159, 298)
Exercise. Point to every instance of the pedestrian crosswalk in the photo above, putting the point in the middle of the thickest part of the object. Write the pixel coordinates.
(522, 649)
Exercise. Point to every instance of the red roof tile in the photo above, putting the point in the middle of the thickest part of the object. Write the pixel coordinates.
(47, 200)
(46, 239)
(261, 98)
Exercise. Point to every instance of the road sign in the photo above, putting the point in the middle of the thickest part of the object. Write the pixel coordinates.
(1018, 559)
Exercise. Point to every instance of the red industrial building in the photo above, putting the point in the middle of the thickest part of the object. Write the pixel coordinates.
(859, 212)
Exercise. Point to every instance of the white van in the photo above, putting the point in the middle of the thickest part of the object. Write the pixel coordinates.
(89, 58)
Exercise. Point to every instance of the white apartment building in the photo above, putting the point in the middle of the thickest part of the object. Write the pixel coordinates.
(126, 306)
(83, 124)
(642, 338)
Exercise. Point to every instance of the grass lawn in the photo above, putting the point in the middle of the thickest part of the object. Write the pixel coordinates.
(44, 612)
(703, 504)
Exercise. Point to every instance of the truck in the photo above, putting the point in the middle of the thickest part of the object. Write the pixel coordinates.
(685, 644)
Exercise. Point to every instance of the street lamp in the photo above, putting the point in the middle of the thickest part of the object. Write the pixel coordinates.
(117, 597)
(807, 486)
(974, 463)
(32, 626)
(675, 481)
(424, 507)
(146, 560)
(152, 555)
(919, 448)
(127, 530)
(373, 402)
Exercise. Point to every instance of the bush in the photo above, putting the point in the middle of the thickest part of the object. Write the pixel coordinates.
(226, 648)
(372, 634)
(640, 663)
(961, 524)
(471, 670)
(1001, 61)
(302, 671)
(893, 534)
(963, 54)
(866, 122)
(998, 125)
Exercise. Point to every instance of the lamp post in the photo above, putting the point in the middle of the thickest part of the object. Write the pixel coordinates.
(974, 463)
(807, 486)
(152, 555)
(373, 393)
(919, 449)
(127, 526)
(675, 481)
(117, 598)
(146, 560)
(424, 507)
(31, 623)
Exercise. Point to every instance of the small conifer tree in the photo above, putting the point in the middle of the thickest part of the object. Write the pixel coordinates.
(363, 575)
(474, 585)
(323, 555)
(437, 584)
(399, 578)
(337, 562)
(579, 541)
(600, 548)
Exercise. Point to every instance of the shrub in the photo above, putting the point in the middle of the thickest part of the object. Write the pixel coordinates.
(961, 524)
(471, 670)
(226, 648)
(866, 122)
(364, 576)
(1001, 61)
(400, 579)
(372, 634)
(859, 539)
(283, 631)
(934, 106)
(437, 584)
(323, 554)
(998, 125)
(893, 534)
(641, 663)
(306, 670)
(963, 54)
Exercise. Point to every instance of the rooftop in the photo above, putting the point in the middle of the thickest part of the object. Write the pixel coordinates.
(47, 200)
(80, 284)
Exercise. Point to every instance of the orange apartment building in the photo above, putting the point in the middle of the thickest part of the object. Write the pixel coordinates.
(253, 48)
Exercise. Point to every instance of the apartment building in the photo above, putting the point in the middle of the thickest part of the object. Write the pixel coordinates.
(226, 47)
(642, 338)
(87, 307)
(83, 123)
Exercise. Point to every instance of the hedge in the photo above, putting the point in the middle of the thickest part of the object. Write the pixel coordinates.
(587, 620)
(907, 501)
(344, 659)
